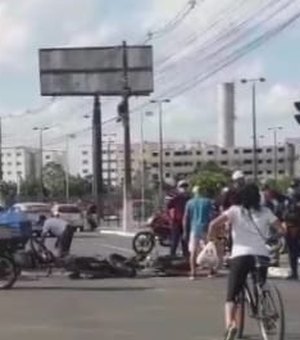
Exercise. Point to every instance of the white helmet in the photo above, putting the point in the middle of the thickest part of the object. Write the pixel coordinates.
(182, 183)
(237, 175)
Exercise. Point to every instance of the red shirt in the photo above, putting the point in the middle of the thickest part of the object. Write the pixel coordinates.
(177, 204)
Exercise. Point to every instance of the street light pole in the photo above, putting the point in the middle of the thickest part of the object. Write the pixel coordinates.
(41, 131)
(161, 145)
(254, 125)
(275, 129)
(67, 169)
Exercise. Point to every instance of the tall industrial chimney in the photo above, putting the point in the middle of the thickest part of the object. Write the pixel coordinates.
(226, 114)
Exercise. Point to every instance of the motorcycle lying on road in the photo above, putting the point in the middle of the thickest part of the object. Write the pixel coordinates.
(158, 229)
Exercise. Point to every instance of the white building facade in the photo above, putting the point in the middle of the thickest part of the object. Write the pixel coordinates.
(181, 160)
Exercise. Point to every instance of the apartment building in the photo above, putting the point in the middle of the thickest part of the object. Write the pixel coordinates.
(22, 163)
(181, 160)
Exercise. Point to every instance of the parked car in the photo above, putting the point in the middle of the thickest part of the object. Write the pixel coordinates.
(71, 213)
(33, 211)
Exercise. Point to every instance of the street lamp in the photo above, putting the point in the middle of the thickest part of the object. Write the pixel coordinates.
(275, 129)
(254, 81)
(160, 103)
(143, 114)
(67, 169)
(41, 131)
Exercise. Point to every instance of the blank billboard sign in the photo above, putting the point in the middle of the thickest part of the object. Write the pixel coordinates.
(95, 70)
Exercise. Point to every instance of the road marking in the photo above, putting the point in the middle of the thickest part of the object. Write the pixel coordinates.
(109, 246)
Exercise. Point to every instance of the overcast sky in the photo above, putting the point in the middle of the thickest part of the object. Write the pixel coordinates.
(190, 47)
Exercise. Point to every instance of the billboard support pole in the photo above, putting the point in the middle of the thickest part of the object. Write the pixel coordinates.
(127, 193)
(97, 159)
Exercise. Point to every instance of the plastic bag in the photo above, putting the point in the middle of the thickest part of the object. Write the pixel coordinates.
(208, 257)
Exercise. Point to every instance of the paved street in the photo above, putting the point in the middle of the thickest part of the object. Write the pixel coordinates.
(137, 309)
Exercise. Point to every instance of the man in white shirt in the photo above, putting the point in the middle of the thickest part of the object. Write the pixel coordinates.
(59, 228)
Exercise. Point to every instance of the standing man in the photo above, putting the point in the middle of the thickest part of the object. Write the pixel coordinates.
(64, 233)
(198, 213)
(176, 208)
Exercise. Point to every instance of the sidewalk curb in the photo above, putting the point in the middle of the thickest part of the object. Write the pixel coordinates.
(275, 272)
(128, 234)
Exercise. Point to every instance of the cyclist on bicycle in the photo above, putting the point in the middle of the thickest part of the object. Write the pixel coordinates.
(250, 222)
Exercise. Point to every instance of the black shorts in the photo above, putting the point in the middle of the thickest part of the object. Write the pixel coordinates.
(240, 267)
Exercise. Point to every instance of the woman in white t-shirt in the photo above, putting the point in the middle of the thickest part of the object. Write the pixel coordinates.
(250, 225)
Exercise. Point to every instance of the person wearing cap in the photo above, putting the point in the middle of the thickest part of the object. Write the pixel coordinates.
(198, 213)
(176, 208)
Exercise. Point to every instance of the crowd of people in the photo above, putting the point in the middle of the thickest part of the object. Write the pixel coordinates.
(191, 210)
(251, 216)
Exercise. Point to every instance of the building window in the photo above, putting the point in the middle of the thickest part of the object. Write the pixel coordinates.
(260, 172)
(155, 177)
(247, 161)
(85, 171)
(154, 154)
(260, 161)
(84, 153)
(224, 163)
(247, 151)
(198, 153)
(210, 153)
(154, 165)
(281, 172)
(269, 161)
(167, 153)
(177, 164)
(199, 163)
(236, 151)
(177, 153)
(269, 150)
(259, 150)
(248, 173)
(85, 162)
(18, 163)
(9, 164)
(269, 172)
(280, 160)
(224, 152)
(168, 175)
(8, 173)
(18, 154)
(8, 154)
(48, 157)
(281, 149)
(167, 165)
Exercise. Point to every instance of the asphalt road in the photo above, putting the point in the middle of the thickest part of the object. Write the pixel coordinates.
(136, 309)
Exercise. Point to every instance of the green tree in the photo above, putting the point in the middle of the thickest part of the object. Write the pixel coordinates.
(80, 187)
(210, 178)
(54, 179)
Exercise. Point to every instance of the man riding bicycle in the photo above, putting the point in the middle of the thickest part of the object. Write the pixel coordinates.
(250, 222)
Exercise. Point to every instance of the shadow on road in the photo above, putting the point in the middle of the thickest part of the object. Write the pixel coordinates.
(87, 289)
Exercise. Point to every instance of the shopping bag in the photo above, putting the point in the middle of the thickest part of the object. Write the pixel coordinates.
(208, 257)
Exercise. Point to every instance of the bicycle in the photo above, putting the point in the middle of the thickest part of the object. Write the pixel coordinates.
(264, 304)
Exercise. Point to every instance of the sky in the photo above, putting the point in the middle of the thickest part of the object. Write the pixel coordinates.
(195, 49)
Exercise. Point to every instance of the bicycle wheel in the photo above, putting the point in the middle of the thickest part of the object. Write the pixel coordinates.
(241, 315)
(271, 313)
(8, 273)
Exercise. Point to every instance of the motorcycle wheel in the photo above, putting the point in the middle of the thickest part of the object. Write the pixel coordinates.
(143, 242)
(120, 266)
(8, 272)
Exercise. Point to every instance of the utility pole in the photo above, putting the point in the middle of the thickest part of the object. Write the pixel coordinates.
(254, 125)
(97, 159)
(123, 110)
(161, 146)
(41, 132)
(275, 129)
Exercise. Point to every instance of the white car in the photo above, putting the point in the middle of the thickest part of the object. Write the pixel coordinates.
(70, 213)
(33, 211)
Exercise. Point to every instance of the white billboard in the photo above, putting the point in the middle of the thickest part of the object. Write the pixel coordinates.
(95, 70)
